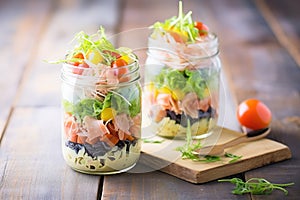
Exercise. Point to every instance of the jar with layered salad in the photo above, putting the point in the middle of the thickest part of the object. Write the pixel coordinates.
(182, 78)
(101, 106)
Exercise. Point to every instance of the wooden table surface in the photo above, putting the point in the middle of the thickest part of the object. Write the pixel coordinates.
(260, 52)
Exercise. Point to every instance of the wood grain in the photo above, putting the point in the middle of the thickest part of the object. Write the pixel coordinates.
(139, 14)
(31, 161)
(254, 154)
(158, 185)
(256, 64)
(259, 65)
(259, 43)
(41, 82)
(17, 40)
(31, 164)
(282, 18)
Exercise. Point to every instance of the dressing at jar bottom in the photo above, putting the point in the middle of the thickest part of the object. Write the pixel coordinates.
(117, 160)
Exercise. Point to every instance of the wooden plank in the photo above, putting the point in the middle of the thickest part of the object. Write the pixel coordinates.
(256, 64)
(41, 84)
(157, 185)
(20, 27)
(31, 163)
(283, 19)
(32, 167)
(286, 131)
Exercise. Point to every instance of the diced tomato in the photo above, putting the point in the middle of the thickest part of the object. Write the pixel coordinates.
(120, 64)
(79, 56)
(203, 29)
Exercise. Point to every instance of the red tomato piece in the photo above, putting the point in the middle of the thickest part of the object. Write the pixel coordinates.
(203, 29)
(254, 114)
(79, 55)
(120, 64)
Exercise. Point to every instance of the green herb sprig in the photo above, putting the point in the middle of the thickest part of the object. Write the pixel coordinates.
(189, 148)
(234, 157)
(258, 186)
(183, 23)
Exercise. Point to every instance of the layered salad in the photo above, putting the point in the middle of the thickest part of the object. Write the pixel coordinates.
(101, 106)
(182, 76)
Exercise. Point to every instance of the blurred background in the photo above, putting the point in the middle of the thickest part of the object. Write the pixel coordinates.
(259, 49)
(259, 44)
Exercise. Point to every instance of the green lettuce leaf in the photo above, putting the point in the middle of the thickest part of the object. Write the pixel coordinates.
(88, 107)
(175, 79)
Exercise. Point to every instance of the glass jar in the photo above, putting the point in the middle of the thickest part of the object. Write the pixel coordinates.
(181, 87)
(101, 127)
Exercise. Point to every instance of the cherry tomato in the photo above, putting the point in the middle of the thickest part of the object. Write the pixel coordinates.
(203, 29)
(120, 64)
(254, 114)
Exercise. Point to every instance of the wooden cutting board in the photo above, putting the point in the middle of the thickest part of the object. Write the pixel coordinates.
(164, 157)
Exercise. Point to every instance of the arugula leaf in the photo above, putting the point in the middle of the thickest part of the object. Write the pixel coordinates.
(234, 157)
(187, 150)
(258, 186)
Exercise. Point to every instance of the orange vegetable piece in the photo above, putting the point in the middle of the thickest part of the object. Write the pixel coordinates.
(73, 138)
(110, 139)
(120, 66)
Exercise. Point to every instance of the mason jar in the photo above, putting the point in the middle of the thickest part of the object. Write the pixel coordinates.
(181, 91)
(101, 122)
